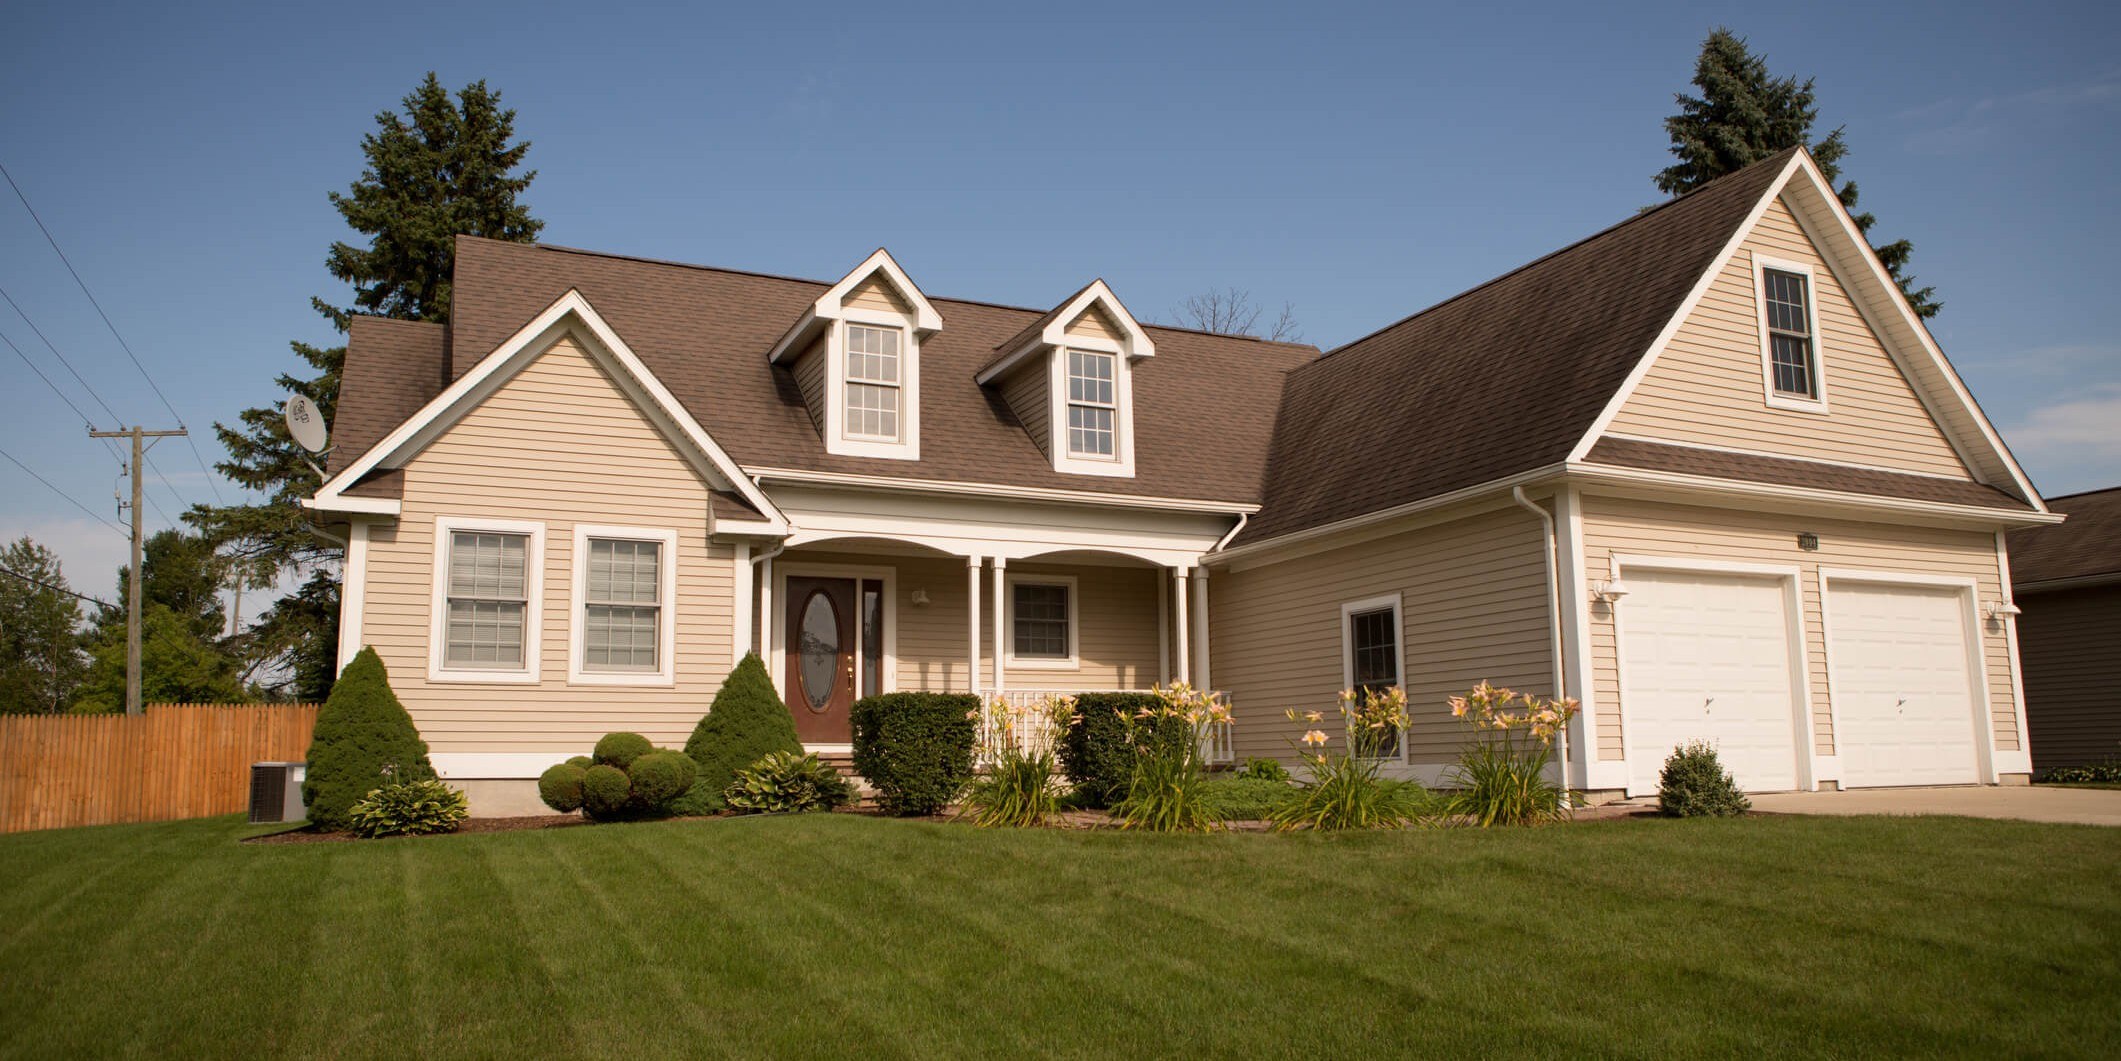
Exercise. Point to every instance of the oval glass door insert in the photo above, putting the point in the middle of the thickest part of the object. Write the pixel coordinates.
(819, 656)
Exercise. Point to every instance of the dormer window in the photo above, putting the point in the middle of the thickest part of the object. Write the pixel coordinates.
(874, 390)
(1092, 404)
(856, 356)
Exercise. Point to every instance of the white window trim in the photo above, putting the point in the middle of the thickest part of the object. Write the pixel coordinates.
(1348, 612)
(907, 446)
(1075, 623)
(904, 336)
(1066, 429)
(665, 673)
(1774, 398)
(438, 670)
(1121, 463)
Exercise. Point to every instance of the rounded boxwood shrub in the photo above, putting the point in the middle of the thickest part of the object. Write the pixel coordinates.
(747, 722)
(1695, 784)
(583, 761)
(660, 777)
(1096, 753)
(362, 732)
(606, 791)
(561, 786)
(621, 749)
(915, 748)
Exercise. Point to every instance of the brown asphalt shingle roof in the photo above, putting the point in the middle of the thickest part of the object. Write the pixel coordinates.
(1502, 379)
(1746, 467)
(2086, 545)
(1204, 404)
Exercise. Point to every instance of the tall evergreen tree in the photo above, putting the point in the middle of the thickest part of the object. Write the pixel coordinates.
(443, 167)
(41, 661)
(1745, 114)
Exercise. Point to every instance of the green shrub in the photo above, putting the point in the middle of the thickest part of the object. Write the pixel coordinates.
(411, 808)
(1238, 798)
(915, 748)
(747, 721)
(1694, 784)
(2107, 772)
(1095, 753)
(788, 783)
(583, 761)
(560, 786)
(363, 740)
(621, 749)
(606, 791)
(659, 778)
(1258, 769)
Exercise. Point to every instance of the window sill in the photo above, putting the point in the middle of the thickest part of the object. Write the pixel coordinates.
(1042, 663)
(643, 680)
(1815, 406)
(483, 677)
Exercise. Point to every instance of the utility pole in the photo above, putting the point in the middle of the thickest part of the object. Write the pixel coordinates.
(134, 576)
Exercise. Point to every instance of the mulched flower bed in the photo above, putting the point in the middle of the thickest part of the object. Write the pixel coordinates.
(310, 834)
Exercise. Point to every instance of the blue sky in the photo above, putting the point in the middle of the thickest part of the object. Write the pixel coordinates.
(1360, 162)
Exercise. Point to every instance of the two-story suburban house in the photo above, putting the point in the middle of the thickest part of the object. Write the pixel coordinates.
(1704, 471)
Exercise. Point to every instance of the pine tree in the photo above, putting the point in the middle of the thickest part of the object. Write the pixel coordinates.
(747, 721)
(41, 662)
(443, 167)
(363, 738)
(1745, 114)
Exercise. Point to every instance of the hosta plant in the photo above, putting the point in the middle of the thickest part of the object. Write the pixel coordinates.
(1021, 786)
(1341, 788)
(786, 783)
(1501, 775)
(1166, 792)
(410, 808)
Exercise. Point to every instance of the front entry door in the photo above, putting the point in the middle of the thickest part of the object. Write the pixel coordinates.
(821, 653)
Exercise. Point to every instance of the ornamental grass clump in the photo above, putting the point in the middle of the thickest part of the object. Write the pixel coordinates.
(1021, 786)
(1501, 775)
(1694, 784)
(1167, 789)
(1342, 789)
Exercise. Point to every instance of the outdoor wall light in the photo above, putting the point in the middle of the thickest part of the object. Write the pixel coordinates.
(920, 598)
(1609, 593)
(2002, 610)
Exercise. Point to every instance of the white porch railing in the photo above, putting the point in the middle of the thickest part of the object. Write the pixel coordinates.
(1034, 732)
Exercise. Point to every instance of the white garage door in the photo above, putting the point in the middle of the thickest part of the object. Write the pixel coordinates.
(1707, 657)
(1902, 698)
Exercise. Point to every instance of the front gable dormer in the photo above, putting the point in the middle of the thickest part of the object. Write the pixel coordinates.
(1069, 378)
(855, 354)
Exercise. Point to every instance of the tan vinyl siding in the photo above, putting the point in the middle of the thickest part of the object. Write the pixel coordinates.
(1645, 528)
(559, 443)
(2069, 644)
(1095, 324)
(1475, 601)
(810, 376)
(1026, 392)
(877, 293)
(1707, 386)
(1116, 625)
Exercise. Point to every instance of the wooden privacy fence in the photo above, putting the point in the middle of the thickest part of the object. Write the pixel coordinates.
(174, 761)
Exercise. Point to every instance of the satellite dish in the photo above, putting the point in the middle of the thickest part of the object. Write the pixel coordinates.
(305, 423)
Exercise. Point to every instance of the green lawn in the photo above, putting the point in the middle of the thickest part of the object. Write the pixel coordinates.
(842, 935)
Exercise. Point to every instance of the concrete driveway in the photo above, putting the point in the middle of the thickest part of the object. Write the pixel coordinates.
(2036, 803)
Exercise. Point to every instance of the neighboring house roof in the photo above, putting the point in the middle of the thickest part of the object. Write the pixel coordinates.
(2087, 547)
(1504, 378)
(1203, 408)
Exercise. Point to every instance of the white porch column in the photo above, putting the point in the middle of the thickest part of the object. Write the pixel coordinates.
(972, 616)
(773, 666)
(1200, 627)
(1185, 655)
(740, 593)
(1163, 632)
(1001, 621)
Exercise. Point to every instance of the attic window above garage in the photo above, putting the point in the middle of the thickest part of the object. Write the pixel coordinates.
(856, 355)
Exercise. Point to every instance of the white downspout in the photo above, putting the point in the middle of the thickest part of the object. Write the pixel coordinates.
(1242, 519)
(1554, 600)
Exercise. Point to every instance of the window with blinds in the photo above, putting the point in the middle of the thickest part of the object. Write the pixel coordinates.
(622, 606)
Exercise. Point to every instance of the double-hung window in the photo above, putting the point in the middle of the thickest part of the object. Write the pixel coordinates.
(1042, 621)
(622, 606)
(1371, 643)
(1793, 361)
(1093, 405)
(487, 599)
(875, 383)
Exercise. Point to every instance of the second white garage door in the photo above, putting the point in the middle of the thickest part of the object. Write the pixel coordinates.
(1903, 703)
(1708, 657)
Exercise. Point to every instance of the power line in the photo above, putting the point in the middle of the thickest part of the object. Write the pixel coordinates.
(69, 497)
(56, 589)
(122, 344)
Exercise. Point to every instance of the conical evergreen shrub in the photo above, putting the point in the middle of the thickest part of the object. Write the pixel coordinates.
(360, 730)
(747, 721)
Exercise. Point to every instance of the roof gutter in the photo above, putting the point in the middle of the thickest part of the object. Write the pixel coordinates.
(1385, 515)
(996, 491)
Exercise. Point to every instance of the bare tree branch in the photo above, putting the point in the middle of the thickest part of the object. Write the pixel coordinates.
(1231, 311)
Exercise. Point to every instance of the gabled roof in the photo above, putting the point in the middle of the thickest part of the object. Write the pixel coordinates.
(1501, 379)
(1049, 330)
(2085, 549)
(831, 305)
(401, 367)
(705, 333)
